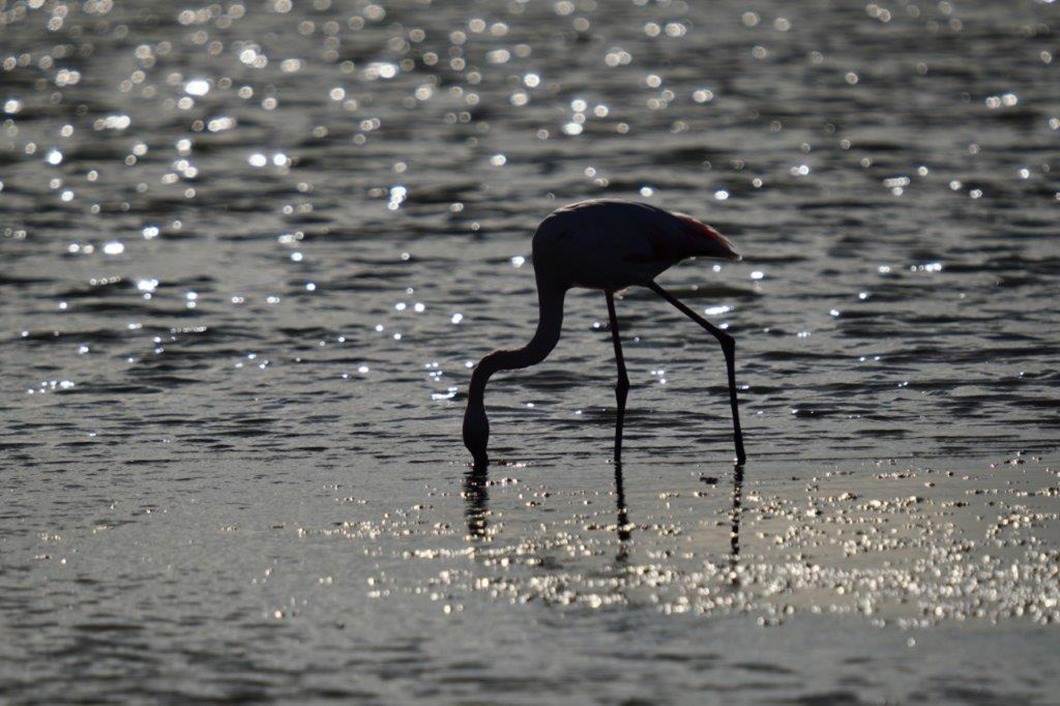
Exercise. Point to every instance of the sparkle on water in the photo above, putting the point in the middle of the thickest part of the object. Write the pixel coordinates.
(252, 251)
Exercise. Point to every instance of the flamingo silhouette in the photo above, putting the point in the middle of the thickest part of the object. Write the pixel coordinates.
(608, 245)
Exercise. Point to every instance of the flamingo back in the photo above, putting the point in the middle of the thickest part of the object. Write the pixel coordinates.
(609, 244)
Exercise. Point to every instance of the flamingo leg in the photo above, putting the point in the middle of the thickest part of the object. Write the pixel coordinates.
(728, 347)
(622, 386)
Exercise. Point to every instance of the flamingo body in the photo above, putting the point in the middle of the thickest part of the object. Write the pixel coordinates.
(607, 245)
(611, 245)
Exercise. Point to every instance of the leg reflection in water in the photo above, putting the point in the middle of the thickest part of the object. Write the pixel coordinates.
(623, 526)
(737, 509)
(476, 510)
(476, 507)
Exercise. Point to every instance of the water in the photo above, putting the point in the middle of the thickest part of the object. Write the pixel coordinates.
(250, 252)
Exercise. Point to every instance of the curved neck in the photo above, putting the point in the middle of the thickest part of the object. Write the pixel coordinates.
(550, 303)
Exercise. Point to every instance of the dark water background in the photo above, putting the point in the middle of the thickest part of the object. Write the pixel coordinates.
(250, 253)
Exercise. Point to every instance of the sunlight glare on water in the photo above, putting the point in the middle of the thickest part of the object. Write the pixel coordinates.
(252, 251)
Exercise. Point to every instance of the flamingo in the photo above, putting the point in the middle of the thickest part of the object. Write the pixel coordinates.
(607, 245)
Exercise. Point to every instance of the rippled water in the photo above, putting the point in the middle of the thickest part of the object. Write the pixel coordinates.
(250, 253)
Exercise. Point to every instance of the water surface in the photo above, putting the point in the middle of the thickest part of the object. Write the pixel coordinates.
(251, 252)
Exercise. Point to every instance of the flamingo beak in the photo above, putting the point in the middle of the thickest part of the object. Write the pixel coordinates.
(728, 250)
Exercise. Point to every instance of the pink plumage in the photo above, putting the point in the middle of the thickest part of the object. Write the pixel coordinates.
(701, 239)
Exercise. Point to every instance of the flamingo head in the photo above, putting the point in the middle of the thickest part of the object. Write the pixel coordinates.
(477, 431)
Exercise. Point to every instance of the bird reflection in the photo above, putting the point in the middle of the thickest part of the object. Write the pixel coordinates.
(737, 511)
(476, 510)
(476, 501)
(622, 525)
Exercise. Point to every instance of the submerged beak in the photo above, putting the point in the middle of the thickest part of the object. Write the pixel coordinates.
(481, 459)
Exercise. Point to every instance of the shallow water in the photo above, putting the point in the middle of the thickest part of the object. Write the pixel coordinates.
(250, 253)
